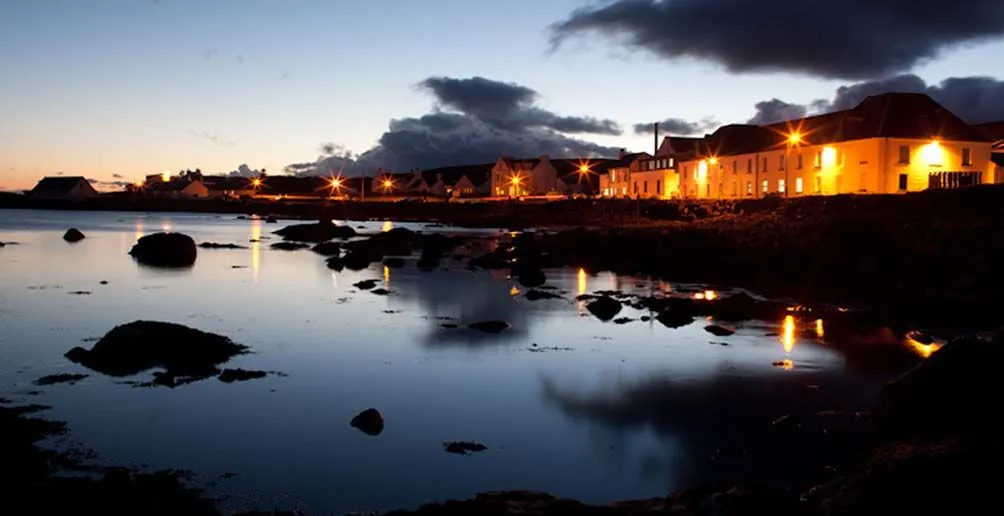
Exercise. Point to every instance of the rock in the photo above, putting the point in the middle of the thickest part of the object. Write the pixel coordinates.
(327, 249)
(315, 233)
(102, 282)
(719, 331)
(289, 246)
(623, 320)
(489, 326)
(240, 375)
(165, 250)
(605, 308)
(356, 261)
(536, 295)
(463, 447)
(53, 379)
(139, 346)
(271, 220)
(335, 264)
(73, 235)
(393, 262)
(365, 284)
(673, 319)
(380, 292)
(369, 422)
(952, 393)
(214, 245)
(942, 477)
(531, 277)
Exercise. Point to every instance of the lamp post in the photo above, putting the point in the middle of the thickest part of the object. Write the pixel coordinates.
(794, 139)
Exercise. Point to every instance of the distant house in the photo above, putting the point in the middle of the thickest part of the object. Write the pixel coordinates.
(617, 180)
(65, 188)
(994, 131)
(513, 177)
(180, 187)
(227, 186)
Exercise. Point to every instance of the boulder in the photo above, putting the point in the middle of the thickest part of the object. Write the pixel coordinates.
(327, 248)
(73, 235)
(369, 422)
(139, 346)
(315, 233)
(365, 284)
(165, 250)
(955, 392)
(214, 245)
(605, 308)
(489, 326)
(719, 331)
(531, 277)
(289, 246)
(674, 319)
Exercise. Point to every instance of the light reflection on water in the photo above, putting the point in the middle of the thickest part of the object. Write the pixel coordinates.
(625, 412)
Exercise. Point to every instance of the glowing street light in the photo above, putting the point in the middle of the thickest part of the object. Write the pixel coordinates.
(794, 138)
(336, 183)
(256, 182)
(387, 184)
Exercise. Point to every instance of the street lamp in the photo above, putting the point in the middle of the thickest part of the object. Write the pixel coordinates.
(515, 186)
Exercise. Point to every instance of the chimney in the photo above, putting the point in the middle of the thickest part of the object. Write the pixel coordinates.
(620, 155)
(656, 151)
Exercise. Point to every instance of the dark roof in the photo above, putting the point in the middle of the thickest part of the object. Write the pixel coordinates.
(477, 174)
(58, 184)
(628, 159)
(673, 145)
(221, 183)
(991, 130)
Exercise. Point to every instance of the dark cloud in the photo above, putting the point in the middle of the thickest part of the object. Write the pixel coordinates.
(839, 39)
(678, 127)
(245, 171)
(974, 99)
(116, 176)
(475, 120)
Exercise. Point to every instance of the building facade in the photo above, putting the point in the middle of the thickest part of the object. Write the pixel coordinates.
(891, 143)
(64, 188)
(523, 177)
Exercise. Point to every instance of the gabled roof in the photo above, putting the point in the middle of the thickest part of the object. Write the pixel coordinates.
(477, 174)
(514, 163)
(626, 160)
(674, 145)
(58, 184)
(994, 131)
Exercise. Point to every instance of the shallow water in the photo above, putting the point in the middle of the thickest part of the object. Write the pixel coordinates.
(565, 403)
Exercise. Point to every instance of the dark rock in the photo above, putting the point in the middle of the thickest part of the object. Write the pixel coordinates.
(393, 262)
(365, 284)
(139, 346)
(335, 264)
(289, 246)
(240, 375)
(949, 394)
(327, 249)
(53, 379)
(450, 326)
(315, 233)
(380, 292)
(73, 235)
(536, 295)
(356, 261)
(214, 245)
(463, 447)
(623, 320)
(271, 220)
(674, 319)
(165, 250)
(102, 282)
(369, 422)
(489, 326)
(605, 308)
(80, 293)
(531, 277)
(719, 331)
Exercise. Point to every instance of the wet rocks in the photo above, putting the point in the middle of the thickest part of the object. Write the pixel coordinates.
(623, 320)
(463, 447)
(531, 277)
(336, 264)
(139, 346)
(315, 233)
(369, 422)
(719, 331)
(949, 394)
(489, 326)
(327, 248)
(393, 262)
(356, 261)
(289, 246)
(54, 379)
(240, 375)
(380, 292)
(536, 295)
(365, 284)
(605, 308)
(165, 250)
(214, 245)
(73, 235)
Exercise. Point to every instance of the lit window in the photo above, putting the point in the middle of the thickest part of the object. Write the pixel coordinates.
(780, 185)
(817, 159)
(749, 188)
(798, 185)
(749, 166)
(735, 189)
(764, 164)
(735, 166)
(766, 186)
(819, 184)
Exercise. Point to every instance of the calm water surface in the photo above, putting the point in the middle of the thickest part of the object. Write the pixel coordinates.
(605, 412)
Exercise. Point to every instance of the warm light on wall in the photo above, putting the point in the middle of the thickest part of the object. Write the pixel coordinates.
(702, 169)
(829, 156)
(932, 154)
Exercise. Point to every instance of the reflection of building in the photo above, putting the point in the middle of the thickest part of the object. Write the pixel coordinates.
(890, 143)
(65, 188)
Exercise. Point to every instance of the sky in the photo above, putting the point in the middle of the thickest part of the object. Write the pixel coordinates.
(118, 89)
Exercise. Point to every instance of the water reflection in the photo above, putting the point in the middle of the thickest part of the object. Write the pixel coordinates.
(583, 282)
(920, 348)
(386, 276)
(819, 329)
(387, 226)
(138, 231)
(255, 248)
(788, 333)
(709, 295)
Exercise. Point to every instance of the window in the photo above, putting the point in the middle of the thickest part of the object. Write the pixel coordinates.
(798, 185)
(686, 170)
(658, 187)
(749, 166)
(707, 189)
(904, 154)
(671, 162)
(780, 185)
(735, 166)
(735, 189)
(819, 184)
(780, 163)
(644, 187)
(967, 157)
(817, 159)
(902, 182)
(613, 176)
(766, 187)
(765, 164)
(636, 187)
(798, 161)
(749, 188)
